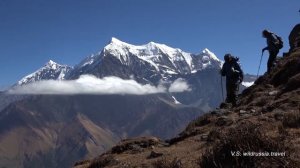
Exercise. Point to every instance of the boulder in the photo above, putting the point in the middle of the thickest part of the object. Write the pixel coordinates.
(294, 38)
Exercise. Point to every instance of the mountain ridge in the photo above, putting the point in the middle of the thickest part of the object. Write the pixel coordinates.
(161, 59)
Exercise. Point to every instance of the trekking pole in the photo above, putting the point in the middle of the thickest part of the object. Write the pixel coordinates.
(259, 64)
(222, 87)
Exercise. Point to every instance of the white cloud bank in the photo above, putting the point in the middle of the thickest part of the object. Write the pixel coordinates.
(248, 84)
(88, 84)
(179, 85)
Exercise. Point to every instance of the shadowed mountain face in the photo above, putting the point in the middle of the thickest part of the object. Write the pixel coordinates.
(55, 131)
(34, 136)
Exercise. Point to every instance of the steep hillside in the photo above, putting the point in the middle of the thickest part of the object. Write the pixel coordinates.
(262, 131)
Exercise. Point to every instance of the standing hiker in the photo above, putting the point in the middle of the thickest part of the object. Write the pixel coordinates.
(234, 76)
(274, 44)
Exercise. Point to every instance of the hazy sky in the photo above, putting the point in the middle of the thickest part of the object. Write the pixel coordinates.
(66, 31)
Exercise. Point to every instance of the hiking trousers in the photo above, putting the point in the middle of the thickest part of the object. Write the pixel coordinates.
(272, 57)
(232, 89)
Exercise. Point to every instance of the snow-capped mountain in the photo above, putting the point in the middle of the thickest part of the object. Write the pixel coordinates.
(164, 58)
(151, 62)
(51, 70)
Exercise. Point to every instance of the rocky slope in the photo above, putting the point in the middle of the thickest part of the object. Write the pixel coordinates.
(262, 131)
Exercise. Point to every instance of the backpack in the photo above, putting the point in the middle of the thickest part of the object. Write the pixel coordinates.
(279, 43)
(235, 59)
(235, 72)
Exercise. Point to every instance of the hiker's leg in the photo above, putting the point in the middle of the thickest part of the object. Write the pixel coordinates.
(272, 58)
(270, 61)
(227, 92)
(230, 92)
(235, 90)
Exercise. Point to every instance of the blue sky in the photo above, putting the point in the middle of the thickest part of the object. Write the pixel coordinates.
(66, 31)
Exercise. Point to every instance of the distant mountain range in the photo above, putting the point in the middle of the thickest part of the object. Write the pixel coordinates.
(147, 63)
(56, 130)
(151, 63)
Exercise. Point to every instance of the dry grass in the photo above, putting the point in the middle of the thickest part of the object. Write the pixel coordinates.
(165, 163)
(102, 162)
(245, 138)
(81, 162)
(291, 119)
(200, 121)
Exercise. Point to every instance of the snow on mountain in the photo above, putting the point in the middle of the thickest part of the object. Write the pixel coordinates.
(175, 100)
(150, 62)
(51, 70)
(166, 60)
(206, 59)
(210, 54)
(151, 52)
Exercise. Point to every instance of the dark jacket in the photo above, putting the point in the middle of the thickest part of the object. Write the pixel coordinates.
(233, 72)
(271, 42)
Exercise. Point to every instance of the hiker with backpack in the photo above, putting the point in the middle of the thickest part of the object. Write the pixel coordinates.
(234, 76)
(274, 44)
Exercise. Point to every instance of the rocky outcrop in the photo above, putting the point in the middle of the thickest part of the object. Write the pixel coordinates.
(294, 38)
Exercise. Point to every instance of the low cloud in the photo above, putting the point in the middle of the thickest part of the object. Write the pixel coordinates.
(248, 84)
(179, 85)
(88, 84)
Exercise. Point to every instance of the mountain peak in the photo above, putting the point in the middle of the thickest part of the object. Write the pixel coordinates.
(206, 51)
(51, 63)
(51, 70)
(116, 41)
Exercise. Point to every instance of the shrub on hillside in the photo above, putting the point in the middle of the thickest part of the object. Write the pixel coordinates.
(200, 121)
(103, 161)
(291, 119)
(245, 138)
(164, 163)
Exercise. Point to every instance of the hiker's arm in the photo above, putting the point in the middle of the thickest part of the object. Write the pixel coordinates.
(266, 48)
